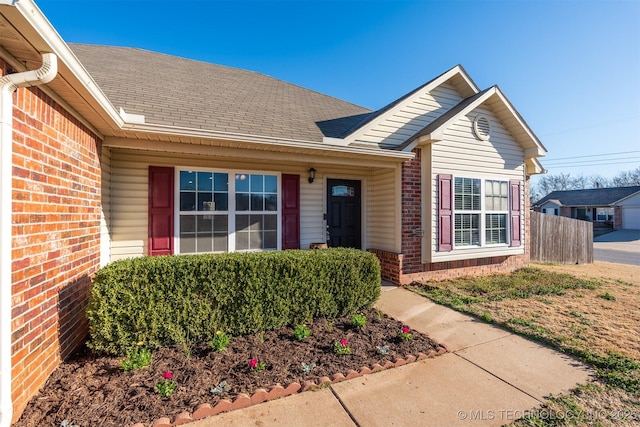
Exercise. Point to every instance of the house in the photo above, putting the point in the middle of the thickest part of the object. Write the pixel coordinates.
(617, 207)
(108, 153)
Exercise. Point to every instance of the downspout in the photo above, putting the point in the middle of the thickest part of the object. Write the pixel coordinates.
(9, 84)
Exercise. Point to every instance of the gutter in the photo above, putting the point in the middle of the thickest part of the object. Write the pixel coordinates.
(8, 85)
(261, 140)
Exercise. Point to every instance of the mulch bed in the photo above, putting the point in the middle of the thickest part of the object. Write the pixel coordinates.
(91, 390)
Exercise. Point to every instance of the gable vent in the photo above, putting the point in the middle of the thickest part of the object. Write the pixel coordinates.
(482, 127)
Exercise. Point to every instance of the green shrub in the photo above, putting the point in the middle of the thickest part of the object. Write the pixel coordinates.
(220, 341)
(137, 358)
(358, 320)
(161, 300)
(301, 332)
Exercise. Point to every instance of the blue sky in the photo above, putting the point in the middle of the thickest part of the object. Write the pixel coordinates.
(570, 67)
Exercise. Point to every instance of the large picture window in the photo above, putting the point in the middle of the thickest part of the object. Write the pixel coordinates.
(481, 208)
(227, 211)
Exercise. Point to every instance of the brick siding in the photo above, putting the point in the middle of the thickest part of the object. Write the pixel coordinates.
(617, 217)
(55, 237)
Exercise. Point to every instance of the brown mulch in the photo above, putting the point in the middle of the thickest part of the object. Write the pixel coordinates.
(91, 390)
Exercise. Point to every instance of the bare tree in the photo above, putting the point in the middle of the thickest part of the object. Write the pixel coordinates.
(564, 181)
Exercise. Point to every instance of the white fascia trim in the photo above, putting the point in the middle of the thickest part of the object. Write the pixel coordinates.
(8, 84)
(625, 198)
(438, 134)
(534, 167)
(539, 149)
(34, 16)
(263, 140)
(428, 88)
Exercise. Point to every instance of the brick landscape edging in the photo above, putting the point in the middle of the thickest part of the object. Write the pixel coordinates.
(261, 395)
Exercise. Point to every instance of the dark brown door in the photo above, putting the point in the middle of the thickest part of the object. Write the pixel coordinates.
(343, 213)
(290, 211)
(160, 210)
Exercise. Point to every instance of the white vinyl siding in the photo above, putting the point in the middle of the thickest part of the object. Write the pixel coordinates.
(105, 213)
(412, 118)
(461, 153)
(385, 210)
(129, 197)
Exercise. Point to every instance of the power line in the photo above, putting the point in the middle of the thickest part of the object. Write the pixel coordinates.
(594, 160)
(593, 155)
(587, 165)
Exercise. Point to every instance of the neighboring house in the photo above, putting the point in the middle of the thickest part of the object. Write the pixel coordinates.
(108, 153)
(617, 207)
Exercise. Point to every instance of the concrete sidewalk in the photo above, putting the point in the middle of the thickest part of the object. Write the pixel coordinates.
(490, 377)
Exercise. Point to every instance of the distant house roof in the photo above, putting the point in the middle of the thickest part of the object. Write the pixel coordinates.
(592, 197)
(174, 91)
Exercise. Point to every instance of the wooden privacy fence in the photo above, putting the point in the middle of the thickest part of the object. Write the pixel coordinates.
(559, 239)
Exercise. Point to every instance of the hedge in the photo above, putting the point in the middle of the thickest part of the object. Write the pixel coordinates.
(169, 300)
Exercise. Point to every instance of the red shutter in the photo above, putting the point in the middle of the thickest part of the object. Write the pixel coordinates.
(515, 212)
(160, 210)
(445, 213)
(290, 211)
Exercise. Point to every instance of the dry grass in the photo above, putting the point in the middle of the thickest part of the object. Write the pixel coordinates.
(589, 310)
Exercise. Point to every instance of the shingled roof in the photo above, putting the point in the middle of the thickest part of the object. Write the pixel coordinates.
(592, 197)
(174, 91)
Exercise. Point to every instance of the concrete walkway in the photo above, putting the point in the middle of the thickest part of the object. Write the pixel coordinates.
(490, 377)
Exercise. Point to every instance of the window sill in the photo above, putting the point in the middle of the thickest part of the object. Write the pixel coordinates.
(475, 252)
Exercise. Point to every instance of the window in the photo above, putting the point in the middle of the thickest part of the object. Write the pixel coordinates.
(604, 214)
(217, 214)
(481, 210)
(496, 200)
(256, 207)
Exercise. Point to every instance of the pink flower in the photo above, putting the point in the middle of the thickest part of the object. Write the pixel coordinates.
(405, 330)
(344, 342)
(167, 375)
(253, 364)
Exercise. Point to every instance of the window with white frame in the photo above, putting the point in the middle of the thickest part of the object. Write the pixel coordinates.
(604, 214)
(225, 211)
(481, 209)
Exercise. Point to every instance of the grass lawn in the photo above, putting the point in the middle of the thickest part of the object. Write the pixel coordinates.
(595, 319)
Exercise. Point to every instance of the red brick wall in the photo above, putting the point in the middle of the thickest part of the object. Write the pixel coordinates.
(407, 267)
(412, 214)
(390, 265)
(617, 217)
(55, 237)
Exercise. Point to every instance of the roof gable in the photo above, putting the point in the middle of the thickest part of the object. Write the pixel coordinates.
(590, 197)
(413, 109)
(501, 107)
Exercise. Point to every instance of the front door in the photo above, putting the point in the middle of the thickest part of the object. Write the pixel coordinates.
(343, 213)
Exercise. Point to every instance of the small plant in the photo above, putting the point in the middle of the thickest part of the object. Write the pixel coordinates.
(341, 347)
(222, 387)
(306, 368)
(486, 316)
(358, 320)
(380, 314)
(137, 359)
(261, 337)
(328, 326)
(384, 349)
(405, 334)
(256, 366)
(166, 386)
(607, 296)
(301, 332)
(220, 341)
